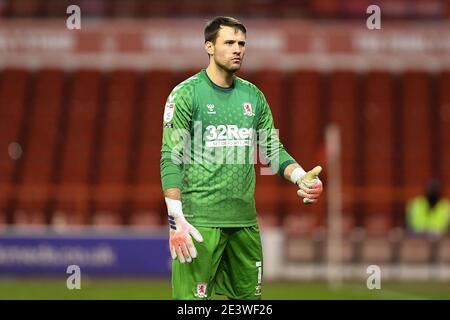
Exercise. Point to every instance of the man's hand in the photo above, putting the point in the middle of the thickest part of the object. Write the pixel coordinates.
(180, 240)
(310, 185)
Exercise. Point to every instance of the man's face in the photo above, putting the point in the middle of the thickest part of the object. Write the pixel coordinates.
(229, 49)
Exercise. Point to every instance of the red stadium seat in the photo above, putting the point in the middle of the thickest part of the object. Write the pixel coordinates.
(72, 206)
(148, 204)
(378, 148)
(55, 8)
(116, 141)
(125, 8)
(443, 250)
(342, 103)
(40, 148)
(301, 249)
(325, 8)
(444, 137)
(303, 139)
(13, 95)
(415, 250)
(378, 224)
(30, 8)
(304, 116)
(416, 150)
(377, 250)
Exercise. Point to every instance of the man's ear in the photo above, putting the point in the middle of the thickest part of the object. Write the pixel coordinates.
(209, 47)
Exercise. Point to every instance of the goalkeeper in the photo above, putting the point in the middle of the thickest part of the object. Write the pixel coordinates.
(211, 124)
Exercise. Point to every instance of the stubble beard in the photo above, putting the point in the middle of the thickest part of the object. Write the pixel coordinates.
(229, 69)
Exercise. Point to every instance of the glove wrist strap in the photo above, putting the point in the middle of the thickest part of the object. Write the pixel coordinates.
(174, 207)
(297, 174)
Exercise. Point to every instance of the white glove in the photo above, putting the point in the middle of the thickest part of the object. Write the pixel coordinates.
(180, 240)
(309, 183)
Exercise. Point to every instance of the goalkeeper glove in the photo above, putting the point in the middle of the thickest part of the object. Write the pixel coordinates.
(180, 240)
(309, 183)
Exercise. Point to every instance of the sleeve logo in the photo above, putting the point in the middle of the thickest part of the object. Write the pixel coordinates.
(168, 112)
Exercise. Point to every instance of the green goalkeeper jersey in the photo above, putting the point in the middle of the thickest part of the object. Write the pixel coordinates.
(209, 149)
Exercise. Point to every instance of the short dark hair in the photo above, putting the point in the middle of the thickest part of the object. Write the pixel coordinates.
(213, 27)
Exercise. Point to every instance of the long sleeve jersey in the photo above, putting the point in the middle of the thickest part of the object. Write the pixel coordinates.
(209, 148)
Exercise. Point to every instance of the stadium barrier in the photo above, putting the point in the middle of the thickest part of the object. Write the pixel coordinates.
(105, 253)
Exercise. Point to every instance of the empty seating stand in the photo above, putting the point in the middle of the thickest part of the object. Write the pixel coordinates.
(116, 132)
(379, 242)
(13, 99)
(74, 178)
(342, 111)
(416, 153)
(378, 147)
(84, 146)
(34, 192)
(444, 126)
(443, 250)
(303, 138)
(417, 250)
(148, 203)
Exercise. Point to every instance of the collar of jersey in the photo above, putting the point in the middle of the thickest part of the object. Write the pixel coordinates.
(215, 86)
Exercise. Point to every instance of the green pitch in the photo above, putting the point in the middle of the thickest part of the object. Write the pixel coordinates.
(160, 289)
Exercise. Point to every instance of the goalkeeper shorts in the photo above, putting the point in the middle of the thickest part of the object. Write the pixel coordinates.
(229, 262)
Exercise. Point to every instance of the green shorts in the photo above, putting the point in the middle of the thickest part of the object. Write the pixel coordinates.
(229, 262)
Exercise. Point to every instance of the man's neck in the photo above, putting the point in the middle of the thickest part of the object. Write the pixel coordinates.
(220, 77)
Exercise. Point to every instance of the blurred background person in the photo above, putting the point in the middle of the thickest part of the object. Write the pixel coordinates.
(429, 214)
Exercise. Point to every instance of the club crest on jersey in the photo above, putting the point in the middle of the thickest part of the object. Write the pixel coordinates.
(201, 290)
(248, 110)
(168, 112)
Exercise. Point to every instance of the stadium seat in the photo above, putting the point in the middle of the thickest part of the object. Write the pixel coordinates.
(378, 224)
(55, 8)
(39, 156)
(148, 200)
(301, 250)
(115, 149)
(13, 94)
(348, 236)
(416, 133)
(342, 110)
(29, 8)
(73, 200)
(378, 147)
(304, 117)
(157, 8)
(444, 117)
(304, 128)
(416, 249)
(309, 242)
(14, 84)
(125, 8)
(325, 8)
(377, 249)
(304, 242)
(299, 224)
(443, 250)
